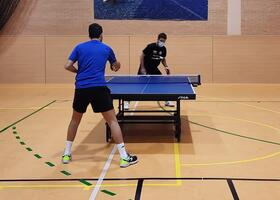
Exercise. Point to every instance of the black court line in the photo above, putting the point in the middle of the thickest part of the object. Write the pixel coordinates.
(139, 189)
(141, 181)
(232, 189)
(143, 178)
(26, 116)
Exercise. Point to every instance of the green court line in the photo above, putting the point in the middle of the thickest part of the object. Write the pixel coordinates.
(28, 149)
(50, 164)
(234, 134)
(38, 156)
(26, 117)
(108, 192)
(65, 173)
(227, 132)
(85, 182)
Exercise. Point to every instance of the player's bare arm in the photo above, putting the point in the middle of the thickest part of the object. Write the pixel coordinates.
(165, 66)
(116, 66)
(70, 66)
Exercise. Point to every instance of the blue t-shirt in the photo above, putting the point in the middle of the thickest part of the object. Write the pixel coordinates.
(91, 57)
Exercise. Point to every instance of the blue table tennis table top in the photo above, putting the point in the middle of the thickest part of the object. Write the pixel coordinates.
(151, 87)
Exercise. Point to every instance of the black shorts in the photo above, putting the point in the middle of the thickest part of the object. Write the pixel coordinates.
(99, 98)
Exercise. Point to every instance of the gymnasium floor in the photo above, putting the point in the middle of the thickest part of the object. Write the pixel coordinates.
(230, 148)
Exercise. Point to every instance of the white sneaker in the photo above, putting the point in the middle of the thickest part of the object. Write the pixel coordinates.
(169, 104)
(126, 105)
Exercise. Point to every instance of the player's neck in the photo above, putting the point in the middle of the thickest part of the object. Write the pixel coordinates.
(96, 39)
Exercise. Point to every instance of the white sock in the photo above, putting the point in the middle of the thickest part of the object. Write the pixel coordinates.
(68, 148)
(122, 151)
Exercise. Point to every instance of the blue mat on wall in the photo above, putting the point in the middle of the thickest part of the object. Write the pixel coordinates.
(151, 9)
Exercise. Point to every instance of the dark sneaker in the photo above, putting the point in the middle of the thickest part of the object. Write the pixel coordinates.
(130, 160)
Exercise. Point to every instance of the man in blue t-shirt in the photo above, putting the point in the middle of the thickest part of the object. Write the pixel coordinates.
(91, 88)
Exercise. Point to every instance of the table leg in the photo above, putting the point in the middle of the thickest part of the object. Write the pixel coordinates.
(178, 122)
(119, 108)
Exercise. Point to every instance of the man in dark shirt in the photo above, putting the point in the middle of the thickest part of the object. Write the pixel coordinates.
(154, 54)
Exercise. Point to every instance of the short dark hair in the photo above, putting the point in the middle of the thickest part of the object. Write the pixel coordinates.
(94, 30)
(162, 35)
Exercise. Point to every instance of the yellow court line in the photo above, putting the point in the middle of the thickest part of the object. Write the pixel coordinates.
(178, 182)
(162, 184)
(177, 163)
(129, 185)
(244, 104)
(233, 162)
(259, 108)
(239, 161)
(177, 168)
(40, 186)
(238, 119)
(79, 186)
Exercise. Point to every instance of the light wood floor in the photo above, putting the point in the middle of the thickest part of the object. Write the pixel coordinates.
(230, 148)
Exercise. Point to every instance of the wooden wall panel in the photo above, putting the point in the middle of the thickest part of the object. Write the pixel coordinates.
(219, 59)
(191, 55)
(59, 49)
(246, 59)
(137, 44)
(260, 17)
(50, 17)
(185, 54)
(72, 17)
(22, 60)
(120, 45)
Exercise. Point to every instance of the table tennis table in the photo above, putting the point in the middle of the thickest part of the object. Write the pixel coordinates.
(151, 88)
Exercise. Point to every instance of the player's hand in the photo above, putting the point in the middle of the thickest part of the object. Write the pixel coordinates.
(167, 71)
(143, 71)
(116, 66)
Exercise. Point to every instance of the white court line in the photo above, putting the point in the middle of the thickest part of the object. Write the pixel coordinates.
(103, 174)
(106, 167)
(134, 107)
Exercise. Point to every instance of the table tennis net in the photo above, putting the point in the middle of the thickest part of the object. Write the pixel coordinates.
(152, 79)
